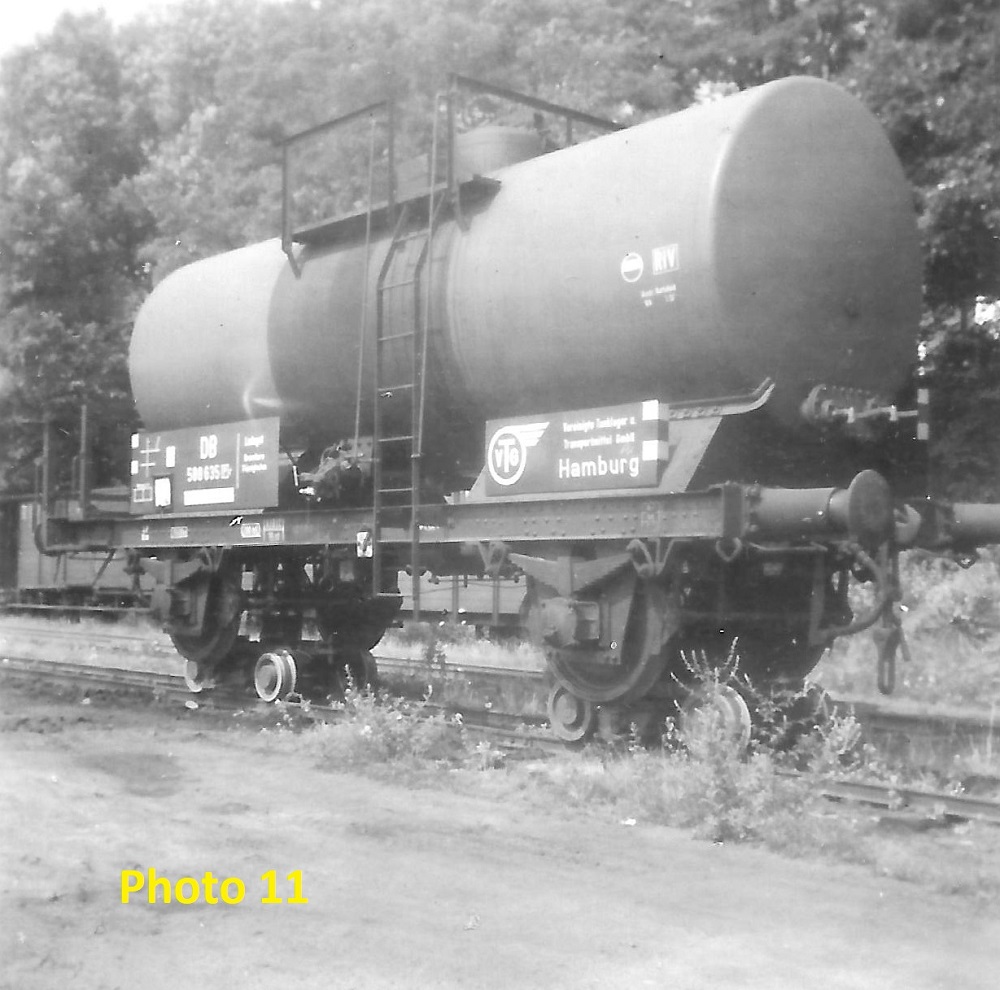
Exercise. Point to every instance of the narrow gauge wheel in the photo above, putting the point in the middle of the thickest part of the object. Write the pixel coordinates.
(572, 719)
(275, 675)
(721, 705)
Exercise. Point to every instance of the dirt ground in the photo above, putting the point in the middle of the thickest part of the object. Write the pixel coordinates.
(406, 887)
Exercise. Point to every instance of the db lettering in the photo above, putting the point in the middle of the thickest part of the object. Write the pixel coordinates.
(208, 446)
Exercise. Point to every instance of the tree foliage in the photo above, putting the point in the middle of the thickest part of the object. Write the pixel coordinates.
(749, 42)
(71, 226)
(127, 152)
(965, 412)
(931, 70)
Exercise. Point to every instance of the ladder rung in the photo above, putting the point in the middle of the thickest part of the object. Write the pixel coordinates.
(397, 285)
(399, 439)
(397, 336)
(393, 491)
(386, 390)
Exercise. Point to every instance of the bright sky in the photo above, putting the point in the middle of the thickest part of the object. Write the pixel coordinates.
(21, 21)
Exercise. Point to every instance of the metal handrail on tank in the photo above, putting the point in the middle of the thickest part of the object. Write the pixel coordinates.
(311, 133)
(458, 83)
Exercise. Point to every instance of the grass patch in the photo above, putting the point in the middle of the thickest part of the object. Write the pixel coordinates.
(963, 861)
(723, 794)
(708, 786)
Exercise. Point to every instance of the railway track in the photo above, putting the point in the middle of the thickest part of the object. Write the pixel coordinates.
(88, 677)
(907, 734)
(513, 732)
(505, 731)
(113, 632)
(960, 729)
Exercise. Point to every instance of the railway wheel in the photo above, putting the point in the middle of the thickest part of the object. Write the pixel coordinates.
(209, 647)
(223, 608)
(276, 675)
(652, 619)
(572, 719)
(712, 711)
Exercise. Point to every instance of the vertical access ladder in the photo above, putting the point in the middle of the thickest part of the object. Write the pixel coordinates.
(402, 296)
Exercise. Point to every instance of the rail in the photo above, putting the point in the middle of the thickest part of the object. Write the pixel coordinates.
(507, 731)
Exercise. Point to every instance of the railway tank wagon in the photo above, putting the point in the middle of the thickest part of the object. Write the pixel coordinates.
(653, 373)
(768, 235)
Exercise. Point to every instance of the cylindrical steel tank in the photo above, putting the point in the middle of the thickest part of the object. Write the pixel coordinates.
(770, 234)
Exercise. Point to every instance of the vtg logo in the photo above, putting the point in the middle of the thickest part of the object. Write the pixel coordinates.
(507, 451)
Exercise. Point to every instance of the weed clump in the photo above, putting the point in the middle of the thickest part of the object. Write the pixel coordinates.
(727, 796)
(376, 729)
(372, 731)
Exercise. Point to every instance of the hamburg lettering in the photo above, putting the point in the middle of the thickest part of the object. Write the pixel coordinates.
(599, 468)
